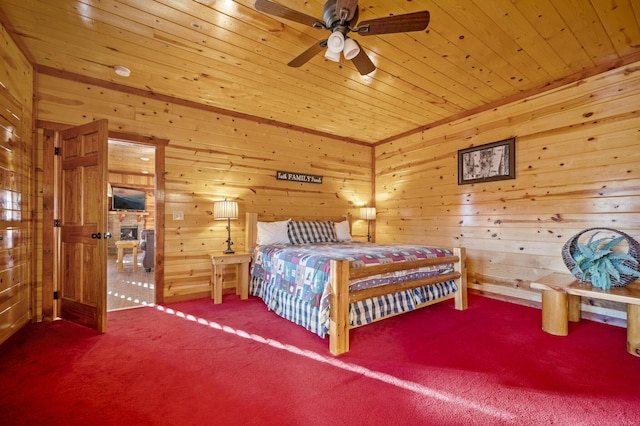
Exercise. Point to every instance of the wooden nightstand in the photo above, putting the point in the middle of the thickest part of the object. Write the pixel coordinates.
(218, 263)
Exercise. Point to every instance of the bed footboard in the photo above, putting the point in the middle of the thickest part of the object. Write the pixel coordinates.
(341, 297)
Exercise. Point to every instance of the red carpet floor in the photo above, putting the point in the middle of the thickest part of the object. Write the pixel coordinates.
(195, 363)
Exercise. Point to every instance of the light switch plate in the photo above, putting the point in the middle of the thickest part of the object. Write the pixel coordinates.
(178, 216)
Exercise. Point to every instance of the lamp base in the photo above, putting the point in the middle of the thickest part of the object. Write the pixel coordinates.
(229, 250)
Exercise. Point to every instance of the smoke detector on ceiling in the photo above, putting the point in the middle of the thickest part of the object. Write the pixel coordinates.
(122, 71)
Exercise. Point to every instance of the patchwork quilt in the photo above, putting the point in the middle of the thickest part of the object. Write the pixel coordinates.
(293, 280)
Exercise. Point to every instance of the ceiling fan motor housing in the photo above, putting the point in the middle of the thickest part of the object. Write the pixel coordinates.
(331, 17)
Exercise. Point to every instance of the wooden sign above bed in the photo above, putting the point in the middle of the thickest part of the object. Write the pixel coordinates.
(298, 177)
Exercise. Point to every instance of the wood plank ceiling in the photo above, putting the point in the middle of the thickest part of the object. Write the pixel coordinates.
(475, 54)
(131, 159)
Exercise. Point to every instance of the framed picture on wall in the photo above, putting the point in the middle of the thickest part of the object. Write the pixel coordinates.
(486, 163)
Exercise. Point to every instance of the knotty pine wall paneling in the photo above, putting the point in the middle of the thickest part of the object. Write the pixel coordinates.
(212, 156)
(577, 167)
(17, 242)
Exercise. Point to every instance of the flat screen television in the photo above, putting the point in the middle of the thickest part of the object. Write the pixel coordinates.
(127, 199)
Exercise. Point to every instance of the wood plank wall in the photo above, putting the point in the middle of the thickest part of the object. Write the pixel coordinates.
(578, 166)
(211, 157)
(18, 259)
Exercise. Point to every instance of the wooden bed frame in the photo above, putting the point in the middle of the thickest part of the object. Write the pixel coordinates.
(342, 274)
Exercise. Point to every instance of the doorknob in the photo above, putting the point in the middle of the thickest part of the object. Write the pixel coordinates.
(107, 235)
(98, 236)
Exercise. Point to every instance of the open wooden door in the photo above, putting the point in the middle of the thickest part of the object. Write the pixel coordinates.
(83, 224)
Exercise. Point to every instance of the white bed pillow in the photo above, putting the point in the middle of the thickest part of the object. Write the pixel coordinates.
(343, 233)
(272, 233)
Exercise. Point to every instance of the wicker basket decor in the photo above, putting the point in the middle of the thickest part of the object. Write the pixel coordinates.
(571, 247)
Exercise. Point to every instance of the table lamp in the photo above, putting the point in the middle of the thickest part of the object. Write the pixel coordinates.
(368, 214)
(226, 210)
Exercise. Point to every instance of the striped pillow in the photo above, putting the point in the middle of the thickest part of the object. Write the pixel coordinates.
(303, 232)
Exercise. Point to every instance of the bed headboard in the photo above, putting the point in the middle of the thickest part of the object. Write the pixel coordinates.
(251, 226)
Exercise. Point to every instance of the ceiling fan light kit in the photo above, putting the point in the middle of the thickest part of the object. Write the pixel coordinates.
(341, 17)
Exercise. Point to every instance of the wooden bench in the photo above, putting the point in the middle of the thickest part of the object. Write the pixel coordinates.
(561, 303)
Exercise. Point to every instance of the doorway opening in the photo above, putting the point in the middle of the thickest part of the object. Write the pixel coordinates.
(132, 224)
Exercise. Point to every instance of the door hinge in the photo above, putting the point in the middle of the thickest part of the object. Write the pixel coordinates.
(55, 295)
(56, 223)
(56, 150)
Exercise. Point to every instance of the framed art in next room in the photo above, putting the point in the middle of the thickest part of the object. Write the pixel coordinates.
(486, 163)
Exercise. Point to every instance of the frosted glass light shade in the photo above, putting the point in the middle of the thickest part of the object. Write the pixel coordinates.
(332, 56)
(351, 49)
(225, 210)
(335, 43)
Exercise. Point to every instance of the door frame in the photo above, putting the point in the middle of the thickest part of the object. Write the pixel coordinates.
(50, 258)
(159, 184)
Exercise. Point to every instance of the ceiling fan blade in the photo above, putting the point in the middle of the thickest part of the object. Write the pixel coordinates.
(405, 23)
(302, 58)
(350, 5)
(286, 13)
(362, 62)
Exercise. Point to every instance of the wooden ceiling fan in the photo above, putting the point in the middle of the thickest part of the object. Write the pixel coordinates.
(341, 18)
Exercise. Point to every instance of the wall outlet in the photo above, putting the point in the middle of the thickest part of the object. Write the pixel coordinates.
(178, 215)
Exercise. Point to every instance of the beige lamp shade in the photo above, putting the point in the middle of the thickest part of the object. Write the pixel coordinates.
(225, 210)
(368, 213)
